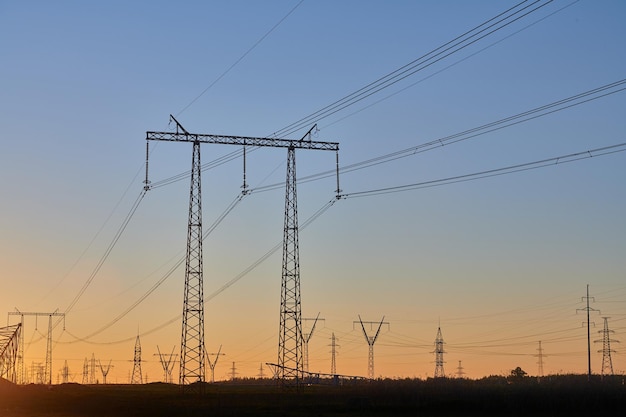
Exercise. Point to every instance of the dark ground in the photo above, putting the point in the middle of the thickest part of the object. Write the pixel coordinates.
(494, 396)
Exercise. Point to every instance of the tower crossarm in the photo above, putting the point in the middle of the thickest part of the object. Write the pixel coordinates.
(290, 343)
(242, 140)
(24, 313)
(371, 339)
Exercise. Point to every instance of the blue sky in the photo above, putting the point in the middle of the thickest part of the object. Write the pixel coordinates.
(500, 262)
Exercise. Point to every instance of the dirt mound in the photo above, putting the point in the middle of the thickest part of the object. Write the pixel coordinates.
(5, 384)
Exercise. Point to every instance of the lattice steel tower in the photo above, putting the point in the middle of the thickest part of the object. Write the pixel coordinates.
(459, 371)
(439, 373)
(86, 372)
(370, 342)
(9, 351)
(539, 356)
(47, 377)
(607, 362)
(104, 370)
(588, 310)
(192, 338)
(306, 338)
(136, 377)
(333, 352)
(290, 340)
(290, 357)
(212, 364)
(167, 362)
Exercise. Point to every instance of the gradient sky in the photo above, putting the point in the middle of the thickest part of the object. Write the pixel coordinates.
(499, 263)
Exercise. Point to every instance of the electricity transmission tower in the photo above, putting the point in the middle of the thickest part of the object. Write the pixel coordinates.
(305, 338)
(167, 362)
(540, 357)
(105, 370)
(439, 373)
(212, 364)
(47, 379)
(92, 369)
(290, 358)
(37, 373)
(607, 362)
(65, 373)
(459, 371)
(85, 372)
(370, 342)
(588, 310)
(136, 376)
(333, 352)
(9, 348)
(233, 372)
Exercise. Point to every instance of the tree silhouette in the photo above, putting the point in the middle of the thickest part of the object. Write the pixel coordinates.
(518, 373)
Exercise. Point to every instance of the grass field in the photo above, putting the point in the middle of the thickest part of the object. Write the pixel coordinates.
(494, 396)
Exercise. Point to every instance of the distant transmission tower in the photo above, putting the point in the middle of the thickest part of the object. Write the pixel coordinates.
(607, 362)
(167, 362)
(65, 373)
(306, 337)
(588, 310)
(86, 372)
(9, 351)
(105, 370)
(439, 373)
(290, 358)
(214, 363)
(136, 376)
(261, 375)
(333, 351)
(370, 342)
(233, 372)
(47, 377)
(459, 371)
(92, 369)
(540, 356)
(20, 370)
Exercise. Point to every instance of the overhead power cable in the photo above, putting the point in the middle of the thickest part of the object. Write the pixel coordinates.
(607, 150)
(547, 109)
(503, 19)
(169, 273)
(240, 58)
(106, 221)
(107, 252)
(214, 294)
(237, 153)
(457, 44)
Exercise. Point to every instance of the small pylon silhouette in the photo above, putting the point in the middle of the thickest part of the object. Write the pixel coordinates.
(607, 362)
(136, 377)
(439, 373)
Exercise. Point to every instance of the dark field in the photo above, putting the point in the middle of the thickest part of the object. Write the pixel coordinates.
(494, 396)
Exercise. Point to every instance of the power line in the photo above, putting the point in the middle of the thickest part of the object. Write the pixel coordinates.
(240, 58)
(467, 177)
(528, 115)
(370, 89)
(559, 160)
(228, 284)
(107, 252)
(165, 276)
(509, 121)
(80, 257)
(127, 220)
(468, 38)
(449, 66)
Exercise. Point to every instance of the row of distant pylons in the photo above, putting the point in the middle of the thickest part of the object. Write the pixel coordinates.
(36, 373)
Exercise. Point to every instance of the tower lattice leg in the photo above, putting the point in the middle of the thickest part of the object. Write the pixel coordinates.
(290, 343)
(192, 338)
